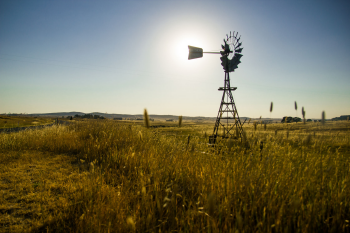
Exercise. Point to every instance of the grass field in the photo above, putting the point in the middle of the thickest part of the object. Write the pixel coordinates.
(23, 121)
(109, 176)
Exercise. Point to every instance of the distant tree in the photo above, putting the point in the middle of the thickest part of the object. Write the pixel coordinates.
(89, 116)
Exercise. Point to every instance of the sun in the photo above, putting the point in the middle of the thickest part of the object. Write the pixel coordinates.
(181, 48)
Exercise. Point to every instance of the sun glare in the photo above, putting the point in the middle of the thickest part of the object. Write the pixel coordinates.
(182, 48)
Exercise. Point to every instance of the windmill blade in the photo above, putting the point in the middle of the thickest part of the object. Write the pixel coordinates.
(234, 65)
(224, 62)
(239, 50)
(239, 45)
(224, 59)
(231, 69)
(227, 47)
(237, 56)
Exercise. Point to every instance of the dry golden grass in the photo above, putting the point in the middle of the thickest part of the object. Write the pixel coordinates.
(111, 179)
(35, 188)
(23, 121)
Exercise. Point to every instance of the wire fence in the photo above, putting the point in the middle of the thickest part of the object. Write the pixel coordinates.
(18, 129)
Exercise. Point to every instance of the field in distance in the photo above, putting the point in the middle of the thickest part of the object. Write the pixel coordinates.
(119, 176)
(23, 121)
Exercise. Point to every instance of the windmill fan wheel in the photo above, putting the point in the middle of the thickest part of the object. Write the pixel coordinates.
(231, 56)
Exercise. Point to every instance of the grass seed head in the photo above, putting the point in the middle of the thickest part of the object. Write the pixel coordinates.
(229, 144)
(303, 112)
(245, 139)
(131, 223)
(211, 204)
(149, 218)
(323, 117)
(239, 220)
(193, 147)
(180, 121)
(308, 140)
(271, 106)
(295, 105)
(146, 119)
(140, 135)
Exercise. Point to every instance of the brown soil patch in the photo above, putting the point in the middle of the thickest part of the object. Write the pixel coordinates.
(34, 186)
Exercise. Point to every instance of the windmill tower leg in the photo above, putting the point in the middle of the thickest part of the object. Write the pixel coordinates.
(227, 117)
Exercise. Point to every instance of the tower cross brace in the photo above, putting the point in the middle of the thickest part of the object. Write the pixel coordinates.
(231, 123)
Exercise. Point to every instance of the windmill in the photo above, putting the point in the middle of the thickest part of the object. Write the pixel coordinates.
(227, 118)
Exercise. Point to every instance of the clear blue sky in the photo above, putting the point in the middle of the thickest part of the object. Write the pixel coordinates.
(124, 56)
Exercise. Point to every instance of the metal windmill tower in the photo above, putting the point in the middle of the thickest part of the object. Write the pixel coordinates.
(227, 118)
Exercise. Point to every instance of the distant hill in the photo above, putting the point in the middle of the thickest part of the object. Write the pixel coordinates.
(130, 116)
(113, 115)
(57, 114)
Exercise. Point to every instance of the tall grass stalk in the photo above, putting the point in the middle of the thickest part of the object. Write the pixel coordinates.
(180, 121)
(146, 118)
(323, 117)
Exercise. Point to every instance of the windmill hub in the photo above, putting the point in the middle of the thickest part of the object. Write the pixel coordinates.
(227, 119)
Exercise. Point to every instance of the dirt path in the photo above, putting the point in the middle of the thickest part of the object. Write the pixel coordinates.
(12, 130)
(34, 185)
